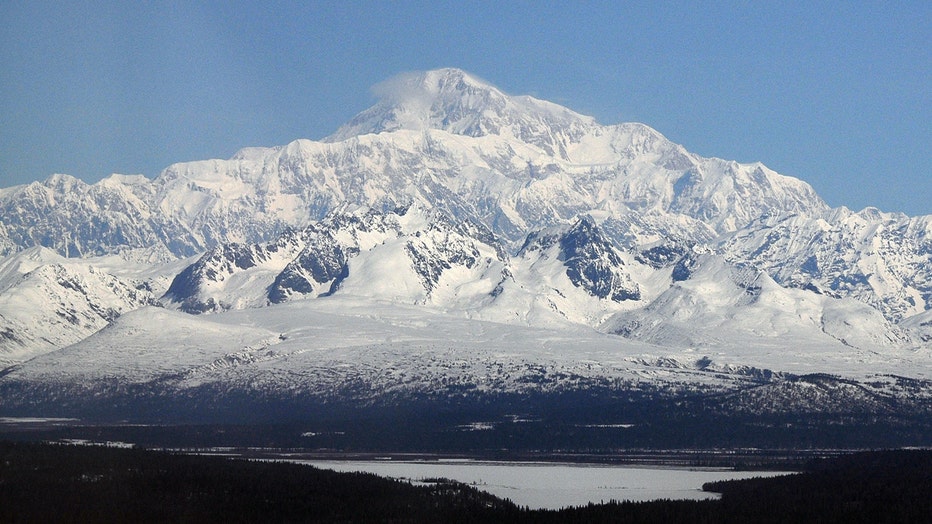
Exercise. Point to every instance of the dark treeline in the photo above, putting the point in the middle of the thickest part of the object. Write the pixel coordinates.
(58, 483)
(868, 487)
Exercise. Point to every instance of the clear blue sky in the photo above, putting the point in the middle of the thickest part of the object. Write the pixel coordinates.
(834, 93)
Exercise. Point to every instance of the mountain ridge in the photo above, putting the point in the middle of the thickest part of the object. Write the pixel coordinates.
(456, 247)
(447, 140)
(258, 192)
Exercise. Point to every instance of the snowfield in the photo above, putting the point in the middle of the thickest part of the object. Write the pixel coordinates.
(340, 348)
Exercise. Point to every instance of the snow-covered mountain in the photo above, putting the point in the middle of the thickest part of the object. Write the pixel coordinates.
(712, 303)
(417, 256)
(591, 262)
(48, 301)
(409, 255)
(78, 220)
(463, 205)
(881, 259)
(514, 164)
(442, 139)
(460, 104)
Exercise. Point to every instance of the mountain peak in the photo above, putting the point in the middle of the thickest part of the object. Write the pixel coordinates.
(62, 182)
(435, 82)
(455, 101)
(435, 89)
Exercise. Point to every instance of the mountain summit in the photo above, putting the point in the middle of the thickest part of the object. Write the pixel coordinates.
(438, 138)
(456, 102)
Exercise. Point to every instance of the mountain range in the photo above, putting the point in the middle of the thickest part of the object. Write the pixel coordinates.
(540, 241)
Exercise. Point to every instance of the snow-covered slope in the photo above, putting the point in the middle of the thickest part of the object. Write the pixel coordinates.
(921, 325)
(76, 219)
(340, 350)
(591, 262)
(409, 255)
(713, 303)
(415, 256)
(881, 259)
(48, 302)
(570, 274)
(458, 103)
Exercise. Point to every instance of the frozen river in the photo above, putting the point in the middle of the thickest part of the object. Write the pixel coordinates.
(553, 486)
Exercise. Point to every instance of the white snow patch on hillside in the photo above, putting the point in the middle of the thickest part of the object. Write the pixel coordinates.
(319, 346)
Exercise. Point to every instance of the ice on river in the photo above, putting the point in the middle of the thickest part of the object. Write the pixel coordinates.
(554, 486)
